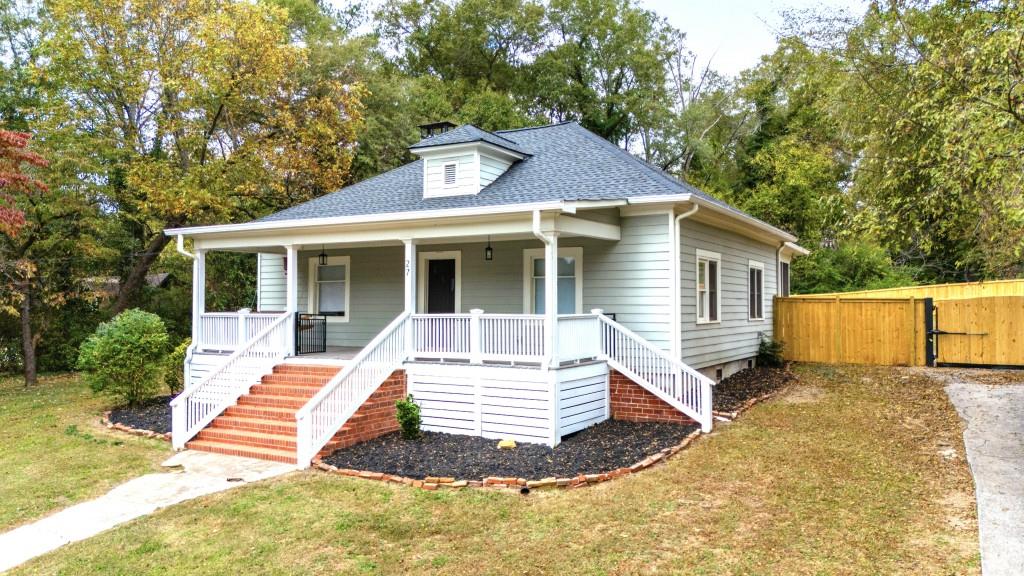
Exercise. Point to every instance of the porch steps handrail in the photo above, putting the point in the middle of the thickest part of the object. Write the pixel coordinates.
(326, 412)
(682, 387)
(198, 405)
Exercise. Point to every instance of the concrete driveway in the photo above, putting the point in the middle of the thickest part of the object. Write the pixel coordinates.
(993, 409)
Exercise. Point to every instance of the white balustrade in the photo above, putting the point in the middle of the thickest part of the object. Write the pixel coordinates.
(579, 337)
(198, 405)
(441, 336)
(228, 330)
(676, 383)
(338, 400)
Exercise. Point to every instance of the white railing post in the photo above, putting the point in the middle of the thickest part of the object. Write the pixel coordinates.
(705, 406)
(243, 326)
(475, 345)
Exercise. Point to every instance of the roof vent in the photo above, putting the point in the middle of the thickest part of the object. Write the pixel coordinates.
(435, 128)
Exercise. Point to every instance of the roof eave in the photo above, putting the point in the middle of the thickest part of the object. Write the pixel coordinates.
(708, 205)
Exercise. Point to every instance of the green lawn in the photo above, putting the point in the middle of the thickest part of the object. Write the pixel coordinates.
(841, 475)
(54, 451)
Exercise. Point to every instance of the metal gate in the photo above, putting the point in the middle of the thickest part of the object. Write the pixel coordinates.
(986, 331)
(310, 333)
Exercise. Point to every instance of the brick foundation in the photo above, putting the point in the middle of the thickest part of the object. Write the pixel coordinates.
(631, 402)
(376, 417)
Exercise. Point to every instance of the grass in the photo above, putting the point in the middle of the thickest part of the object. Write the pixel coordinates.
(54, 452)
(840, 475)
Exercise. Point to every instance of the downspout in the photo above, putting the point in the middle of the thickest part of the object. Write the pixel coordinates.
(552, 319)
(778, 269)
(181, 248)
(677, 283)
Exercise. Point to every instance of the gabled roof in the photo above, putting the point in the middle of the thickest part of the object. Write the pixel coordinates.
(466, 134)
(566, 162)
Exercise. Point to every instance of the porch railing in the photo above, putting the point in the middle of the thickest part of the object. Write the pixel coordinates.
(229, 330)
(338, 400)
(676, 383)
(478, 337)
(198, 405)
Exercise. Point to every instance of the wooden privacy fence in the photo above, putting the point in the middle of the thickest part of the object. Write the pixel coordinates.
(902, 331)
(886, 331)
(937, 291)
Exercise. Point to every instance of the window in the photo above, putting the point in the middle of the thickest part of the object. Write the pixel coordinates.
(570, 280)
(329, 287)
(755, 290)
(784, 277)
(709, 278)
(449, 174)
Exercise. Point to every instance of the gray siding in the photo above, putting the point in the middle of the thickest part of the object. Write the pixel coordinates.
(271, 291)
(629, 278)
(491, 168)
(377, 292)
(735, 337)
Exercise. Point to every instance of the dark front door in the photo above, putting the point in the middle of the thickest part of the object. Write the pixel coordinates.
(440, 286)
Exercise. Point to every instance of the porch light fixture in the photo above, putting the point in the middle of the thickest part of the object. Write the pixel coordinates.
(488, 251)
(323, 256)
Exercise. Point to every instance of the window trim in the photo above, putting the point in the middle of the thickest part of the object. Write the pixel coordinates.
(313, 304)
(707, 255)
(421, 277)
(755, 265)
(785, 287)
(531, 254)
(444, 174)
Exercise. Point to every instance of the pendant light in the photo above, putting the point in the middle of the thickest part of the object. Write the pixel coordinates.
(488, 251)
(323, 256)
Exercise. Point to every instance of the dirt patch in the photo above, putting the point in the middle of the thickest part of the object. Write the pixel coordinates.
(153, 415)
(731, 393)
(603, 447)
(803, 395)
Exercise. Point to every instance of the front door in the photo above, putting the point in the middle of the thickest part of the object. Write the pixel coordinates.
(441, 286)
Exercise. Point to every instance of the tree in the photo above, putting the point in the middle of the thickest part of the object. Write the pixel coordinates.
(190, 112)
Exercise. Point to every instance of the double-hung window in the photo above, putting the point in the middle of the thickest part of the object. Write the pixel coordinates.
(570, 280)
(709, 278)
(755, 290)
(329, 287)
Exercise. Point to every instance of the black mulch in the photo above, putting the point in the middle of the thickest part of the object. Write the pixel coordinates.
(733, 391)
(601, 448)
(153, 415)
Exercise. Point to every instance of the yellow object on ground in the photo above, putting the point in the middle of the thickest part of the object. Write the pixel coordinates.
(507, 444)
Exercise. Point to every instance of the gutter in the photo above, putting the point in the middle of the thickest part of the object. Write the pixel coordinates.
(181, 248)
(676, 285)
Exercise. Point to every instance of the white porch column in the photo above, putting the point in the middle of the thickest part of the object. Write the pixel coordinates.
(291, 277)
(198, 294)
(551, 296)
(410, 294)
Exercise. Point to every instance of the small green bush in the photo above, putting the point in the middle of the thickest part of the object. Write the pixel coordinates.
(769, 353)
(408, 414)
(126, 357)
(174, 376)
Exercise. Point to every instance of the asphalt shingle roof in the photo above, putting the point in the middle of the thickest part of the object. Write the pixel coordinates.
(465, 134)
(566, 162)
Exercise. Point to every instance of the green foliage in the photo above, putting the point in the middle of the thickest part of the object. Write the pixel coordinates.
(850, 266)
(769, 353)
(126, 357)
(174, 375)
(408, 414)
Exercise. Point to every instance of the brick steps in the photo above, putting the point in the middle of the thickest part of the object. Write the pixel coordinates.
(262, 423)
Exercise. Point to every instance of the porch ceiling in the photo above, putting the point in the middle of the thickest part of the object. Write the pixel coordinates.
(496, 227)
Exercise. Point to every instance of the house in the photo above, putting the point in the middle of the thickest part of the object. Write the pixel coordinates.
(520, 284)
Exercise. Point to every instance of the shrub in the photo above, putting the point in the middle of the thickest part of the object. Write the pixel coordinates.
(769, 353)
(174, 376)
(408, 414)
(126, 357)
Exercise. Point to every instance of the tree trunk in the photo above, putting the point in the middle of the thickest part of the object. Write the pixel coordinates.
(28, 344)
(137, 276)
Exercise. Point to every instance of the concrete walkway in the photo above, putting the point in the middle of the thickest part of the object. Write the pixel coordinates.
(195, 474)
(995, 450)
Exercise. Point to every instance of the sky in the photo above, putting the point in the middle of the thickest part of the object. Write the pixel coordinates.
(734, 34)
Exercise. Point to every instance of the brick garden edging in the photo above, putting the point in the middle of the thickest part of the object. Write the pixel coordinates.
(730, 416)
(496, 482)
(133, 431)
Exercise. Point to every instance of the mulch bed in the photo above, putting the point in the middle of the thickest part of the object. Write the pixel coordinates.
(606, 446)
(733, 392)
(153, 415)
